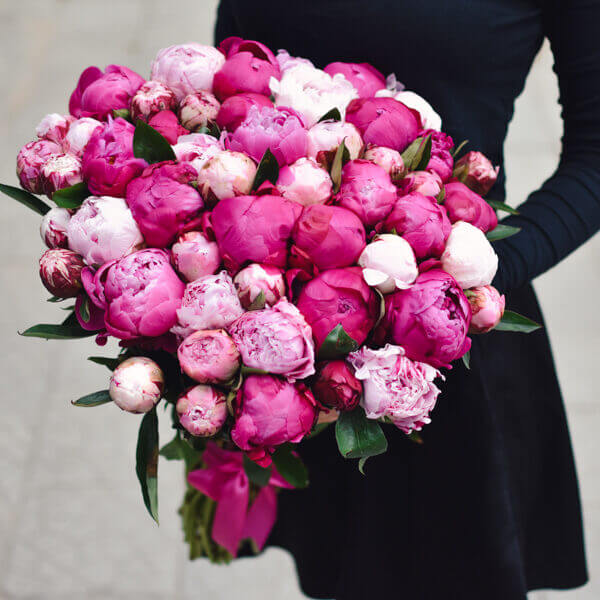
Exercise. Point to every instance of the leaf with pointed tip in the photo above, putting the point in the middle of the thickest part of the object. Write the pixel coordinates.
(501, 206)
(337, 343)
(257, 474)
(501, 231)
(259, 302)
(95, 399)
(122, 113)
(361, 464)
(49, 331)
(342, 155)
(55, 299)
(268, 170)
(416, 156)
(466, 358)
(331, 115)
(25, 198)
(415, 436)
(110, 363)
(146, 465)
(358, 436)
(150, 145)
(512, 321)
(290, 466)
(212, 129)
(84, 310)
(459, 148)
(423, 156)
(71, 197)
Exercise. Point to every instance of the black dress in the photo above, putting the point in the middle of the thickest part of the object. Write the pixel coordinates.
(488, 507)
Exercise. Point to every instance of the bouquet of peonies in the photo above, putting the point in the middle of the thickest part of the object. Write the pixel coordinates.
(277, 248)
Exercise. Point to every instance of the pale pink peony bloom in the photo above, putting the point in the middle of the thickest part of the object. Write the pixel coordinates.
(395, 386)
(476, 171)
(60, 171)
(103, 229)
(198, 110)
(196, 149)
(254, 280)
(487, 308)
(389, 160)
(209, 356)
(31, 159)
(53, 227)
(286, 61)
(202, 410)
(60, 272)
(195, 256)
(153, 97)
(79, 134)
(225, 175)
(388, 263)
(136, 384)
(210, 302)
(469, 256)
(423, 182)
(325, 138)
(54, 127)
(276, 340)
(187, 68)
(305, 182)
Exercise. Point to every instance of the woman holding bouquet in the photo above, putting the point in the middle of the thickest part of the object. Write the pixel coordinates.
(488, 506)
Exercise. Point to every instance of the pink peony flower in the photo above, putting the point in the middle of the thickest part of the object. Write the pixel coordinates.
(429, 118)
(395, 386)
(103, 229)
(53, 227)
(269, 412)
(196, 149)
(97, 94)
(195, 256)
(464, 205)
(441, 161)
(325, 137)
(235, 109)
(384, 122)
(429, 320)
(202, 410)
(187, 68)
(54, 127)
(60, 272)
(209, 356)
(389, 160)
(167, 124)
(60, 171)
(108, 161)
(210, 302)
(277, 340)
(254, 280)
(423, 182)
(153, 97)
(285, 61)
(477, 172)
(254, 229)
(327, 237)
(225, 175)
(336, 386)
(365, 78)
(305, 182)
(487, 308)
(31, 159)
(198, 110)
(422, 222)
(162, 201)
(79, 134)
(366, 190)
(136, 385)
(339, 297)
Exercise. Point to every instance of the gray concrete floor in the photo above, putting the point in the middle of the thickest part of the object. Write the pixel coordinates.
(71, 521)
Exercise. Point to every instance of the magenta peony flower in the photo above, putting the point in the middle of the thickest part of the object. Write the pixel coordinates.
(54, 127)
(487, 308)
(209, 356)
(198, 110)
(53, 227)
(167, 124)
(225, 175)
(97, 94)
(305, 182)
(136, 385)
(235, 109)
(441, 161)
(150, 99)
(327, 237)
(366, 190)
(383, 122)
(277, 340)
(31, 159)
(196, 149)
(60, 272)
(463, 204)
(422, 222)
(195, 256)
(79, 134)
(108, 161)
(210, 302)
(339, 297)
(187, 68)
(248, 68)
(477, 172)
(278, 129)
(365, 78)
(254, 280)
(60, 171)
(389, 160)
(103, 229)
(254, 229)
(423, 182)
(429, 320)
(141, 293)
(202, 410)
(336, 386)
(269, 412)
(395, 386)
(162, 201)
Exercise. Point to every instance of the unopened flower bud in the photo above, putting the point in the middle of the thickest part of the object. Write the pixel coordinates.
(31, 159)
(225, 175)
(150, 99)
(202, 410)
(388, 159)
(136, 384)
(195, 256)
(60, 171)
(79, 135)
(198, 110)
(254, 280)
(487, 308)
(60, 271)
(336, 386)
(53, 228)
(477, 172)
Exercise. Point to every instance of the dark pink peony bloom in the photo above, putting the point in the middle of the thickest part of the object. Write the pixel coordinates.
(108, 163)
(97, 94)
(235, 109)
(365, 78)
(463, 204)
(336, 386)
(441, 161)
(167, 124)
(162, 201)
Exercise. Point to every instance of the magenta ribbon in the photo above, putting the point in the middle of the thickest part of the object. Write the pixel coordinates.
(225, 481)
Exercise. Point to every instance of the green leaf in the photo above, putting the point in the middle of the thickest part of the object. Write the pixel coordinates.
(259, 302)
(501, 206)
(459, 148)
(268, 170)
(342, 155)
(105, 361)
(147, 461)
(357, 436)
(257, 474)
(150, 145)
(290, 466)
(331, 115)
(416, 156)
(361, 464)
(55, 299)
(71, 197)
(95, 399)
(501, 231)
(25, 198)
(121, 113)
(49, 331)
(415, 436)
(212, 129)
(84, 310)
(337, 343)
(251, 371)
(441, 196)
(512, 321)
(179, 449)
(466, 358)
(424, 155)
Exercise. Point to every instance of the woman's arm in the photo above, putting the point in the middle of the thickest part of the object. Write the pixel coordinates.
(565, 211)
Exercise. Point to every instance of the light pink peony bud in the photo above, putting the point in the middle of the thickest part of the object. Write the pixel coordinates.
(476, 171)
(389, 160)
(54, 127)
(325, 137)
(254, 280)
(225, 175)
(487, 308)
(31, 159)
(60, 271)
(195, 256)
(136, 385)
(150, 99)
(209, 356)
(423, 182)
(305, 182)
(196, 149)
(79, 134)
(103, 229)
(202, 410)
(60, 171)
(198, 110)
(53, 228)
